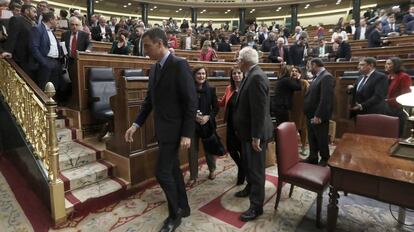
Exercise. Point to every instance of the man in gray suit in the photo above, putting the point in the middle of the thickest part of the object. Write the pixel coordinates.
(254, 129)
(318, 107)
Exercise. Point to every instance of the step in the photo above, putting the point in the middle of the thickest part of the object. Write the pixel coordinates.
(65, 135)
(94, 192)
(87, 174)
(73, 154)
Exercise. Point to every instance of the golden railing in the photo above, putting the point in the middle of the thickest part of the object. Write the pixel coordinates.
(35, 112)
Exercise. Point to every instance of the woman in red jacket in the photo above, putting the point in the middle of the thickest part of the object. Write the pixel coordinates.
(399, 83)
(228, 101)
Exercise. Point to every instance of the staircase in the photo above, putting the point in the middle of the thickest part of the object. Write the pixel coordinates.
(89, 180)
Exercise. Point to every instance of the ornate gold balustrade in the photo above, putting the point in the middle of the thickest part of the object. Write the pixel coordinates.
(35, 112)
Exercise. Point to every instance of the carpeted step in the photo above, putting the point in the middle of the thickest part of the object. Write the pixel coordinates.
(73, 154)
(95, 195)
(87, 174)
(65, 135)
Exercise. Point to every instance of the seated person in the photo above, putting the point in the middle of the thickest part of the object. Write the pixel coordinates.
(207, 52)
(323, 50)
(121, 46)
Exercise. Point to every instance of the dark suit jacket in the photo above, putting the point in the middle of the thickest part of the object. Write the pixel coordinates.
(173, 99)
(19, 40)
(138, 49)
(407, 18)
(267, 45)
(372, 94)
(319, 97)
(96, 33)
(83, 43)
(234, 40)
(252, 110)
(296, 55)
(409, 28)
(374, 39)
(358, 33)
(41, 44)
(387, 29)
(328, 49)
(274, 54)
(344, 51)
(223, 47)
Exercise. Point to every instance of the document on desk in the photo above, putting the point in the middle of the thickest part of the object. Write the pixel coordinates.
(402, 150)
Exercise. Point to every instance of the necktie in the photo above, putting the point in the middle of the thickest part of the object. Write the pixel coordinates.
(74, 46)
(362, 83)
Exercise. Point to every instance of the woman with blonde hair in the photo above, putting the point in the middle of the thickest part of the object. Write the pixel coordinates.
(207, 52)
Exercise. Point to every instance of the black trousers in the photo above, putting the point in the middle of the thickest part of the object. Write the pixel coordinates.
(318, 138)
(51, 72)
(281, 113)
(255, 165)
(170, 177)
(234, 148)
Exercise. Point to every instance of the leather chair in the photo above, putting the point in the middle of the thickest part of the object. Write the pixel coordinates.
(101, 88)
(308, 176)
(133, 73)
(377, 125)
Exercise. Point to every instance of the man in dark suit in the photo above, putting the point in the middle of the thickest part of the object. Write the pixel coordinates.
(101, 32)
(370, 90)
(269, 42)
(172, 96)
(318, 107)
(234, 38)
(374, 38)
(392, 28)
(47, 52)
(298, 52)
(323, 50)
(254, 129)
(409, 28)
(138, 41)
(279, 53)
(18, 44)
(76, 40)
(409, 16)
(344, 50)
(361, 30)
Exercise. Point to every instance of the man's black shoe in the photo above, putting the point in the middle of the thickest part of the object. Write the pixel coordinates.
(243, 193)
(251, 214)
(170, 224)
(323, 162)
(310, 161)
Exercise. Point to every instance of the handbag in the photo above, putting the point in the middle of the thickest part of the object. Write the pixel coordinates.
(213, 145)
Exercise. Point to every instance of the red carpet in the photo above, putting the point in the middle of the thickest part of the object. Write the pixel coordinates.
(215, 208)
(36, 212)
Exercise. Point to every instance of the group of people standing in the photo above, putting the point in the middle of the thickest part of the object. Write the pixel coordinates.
(182, 102)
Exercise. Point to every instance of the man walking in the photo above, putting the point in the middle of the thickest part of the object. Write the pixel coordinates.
(172, 96)
(254, 128)
(318, 107)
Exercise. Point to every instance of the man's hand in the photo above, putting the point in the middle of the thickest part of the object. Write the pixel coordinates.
(357, 107)
(256, 144)
(316, 120)
(280, 59)
(6, 55)
(185, 142)
(129, 133)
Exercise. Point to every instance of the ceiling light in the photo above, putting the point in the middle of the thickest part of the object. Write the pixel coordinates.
(279, 8)
(180, 9)
(228, 10)
(151, 9)
(125, 5)
(129, 3)
(155, 7)
(96, 1)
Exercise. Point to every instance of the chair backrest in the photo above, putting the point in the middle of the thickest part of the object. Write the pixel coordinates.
(286, 147)
(101, 88)
(133, 72)
(377, 125)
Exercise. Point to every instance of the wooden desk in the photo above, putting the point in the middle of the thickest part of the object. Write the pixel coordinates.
(362, 164)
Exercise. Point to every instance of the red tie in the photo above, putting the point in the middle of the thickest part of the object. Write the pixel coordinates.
(74, 46)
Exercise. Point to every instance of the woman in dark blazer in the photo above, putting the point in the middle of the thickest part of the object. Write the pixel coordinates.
(285, 86)
(228, 101)
(399, 83)
(206, 113)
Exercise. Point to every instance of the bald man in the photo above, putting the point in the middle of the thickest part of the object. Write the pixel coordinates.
(75, 39)
(279, 53)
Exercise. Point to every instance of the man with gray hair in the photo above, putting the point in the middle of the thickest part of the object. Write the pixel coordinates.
(279, 53)
(254, 129)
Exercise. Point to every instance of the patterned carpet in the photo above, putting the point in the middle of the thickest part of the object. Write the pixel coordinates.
(144, 210)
